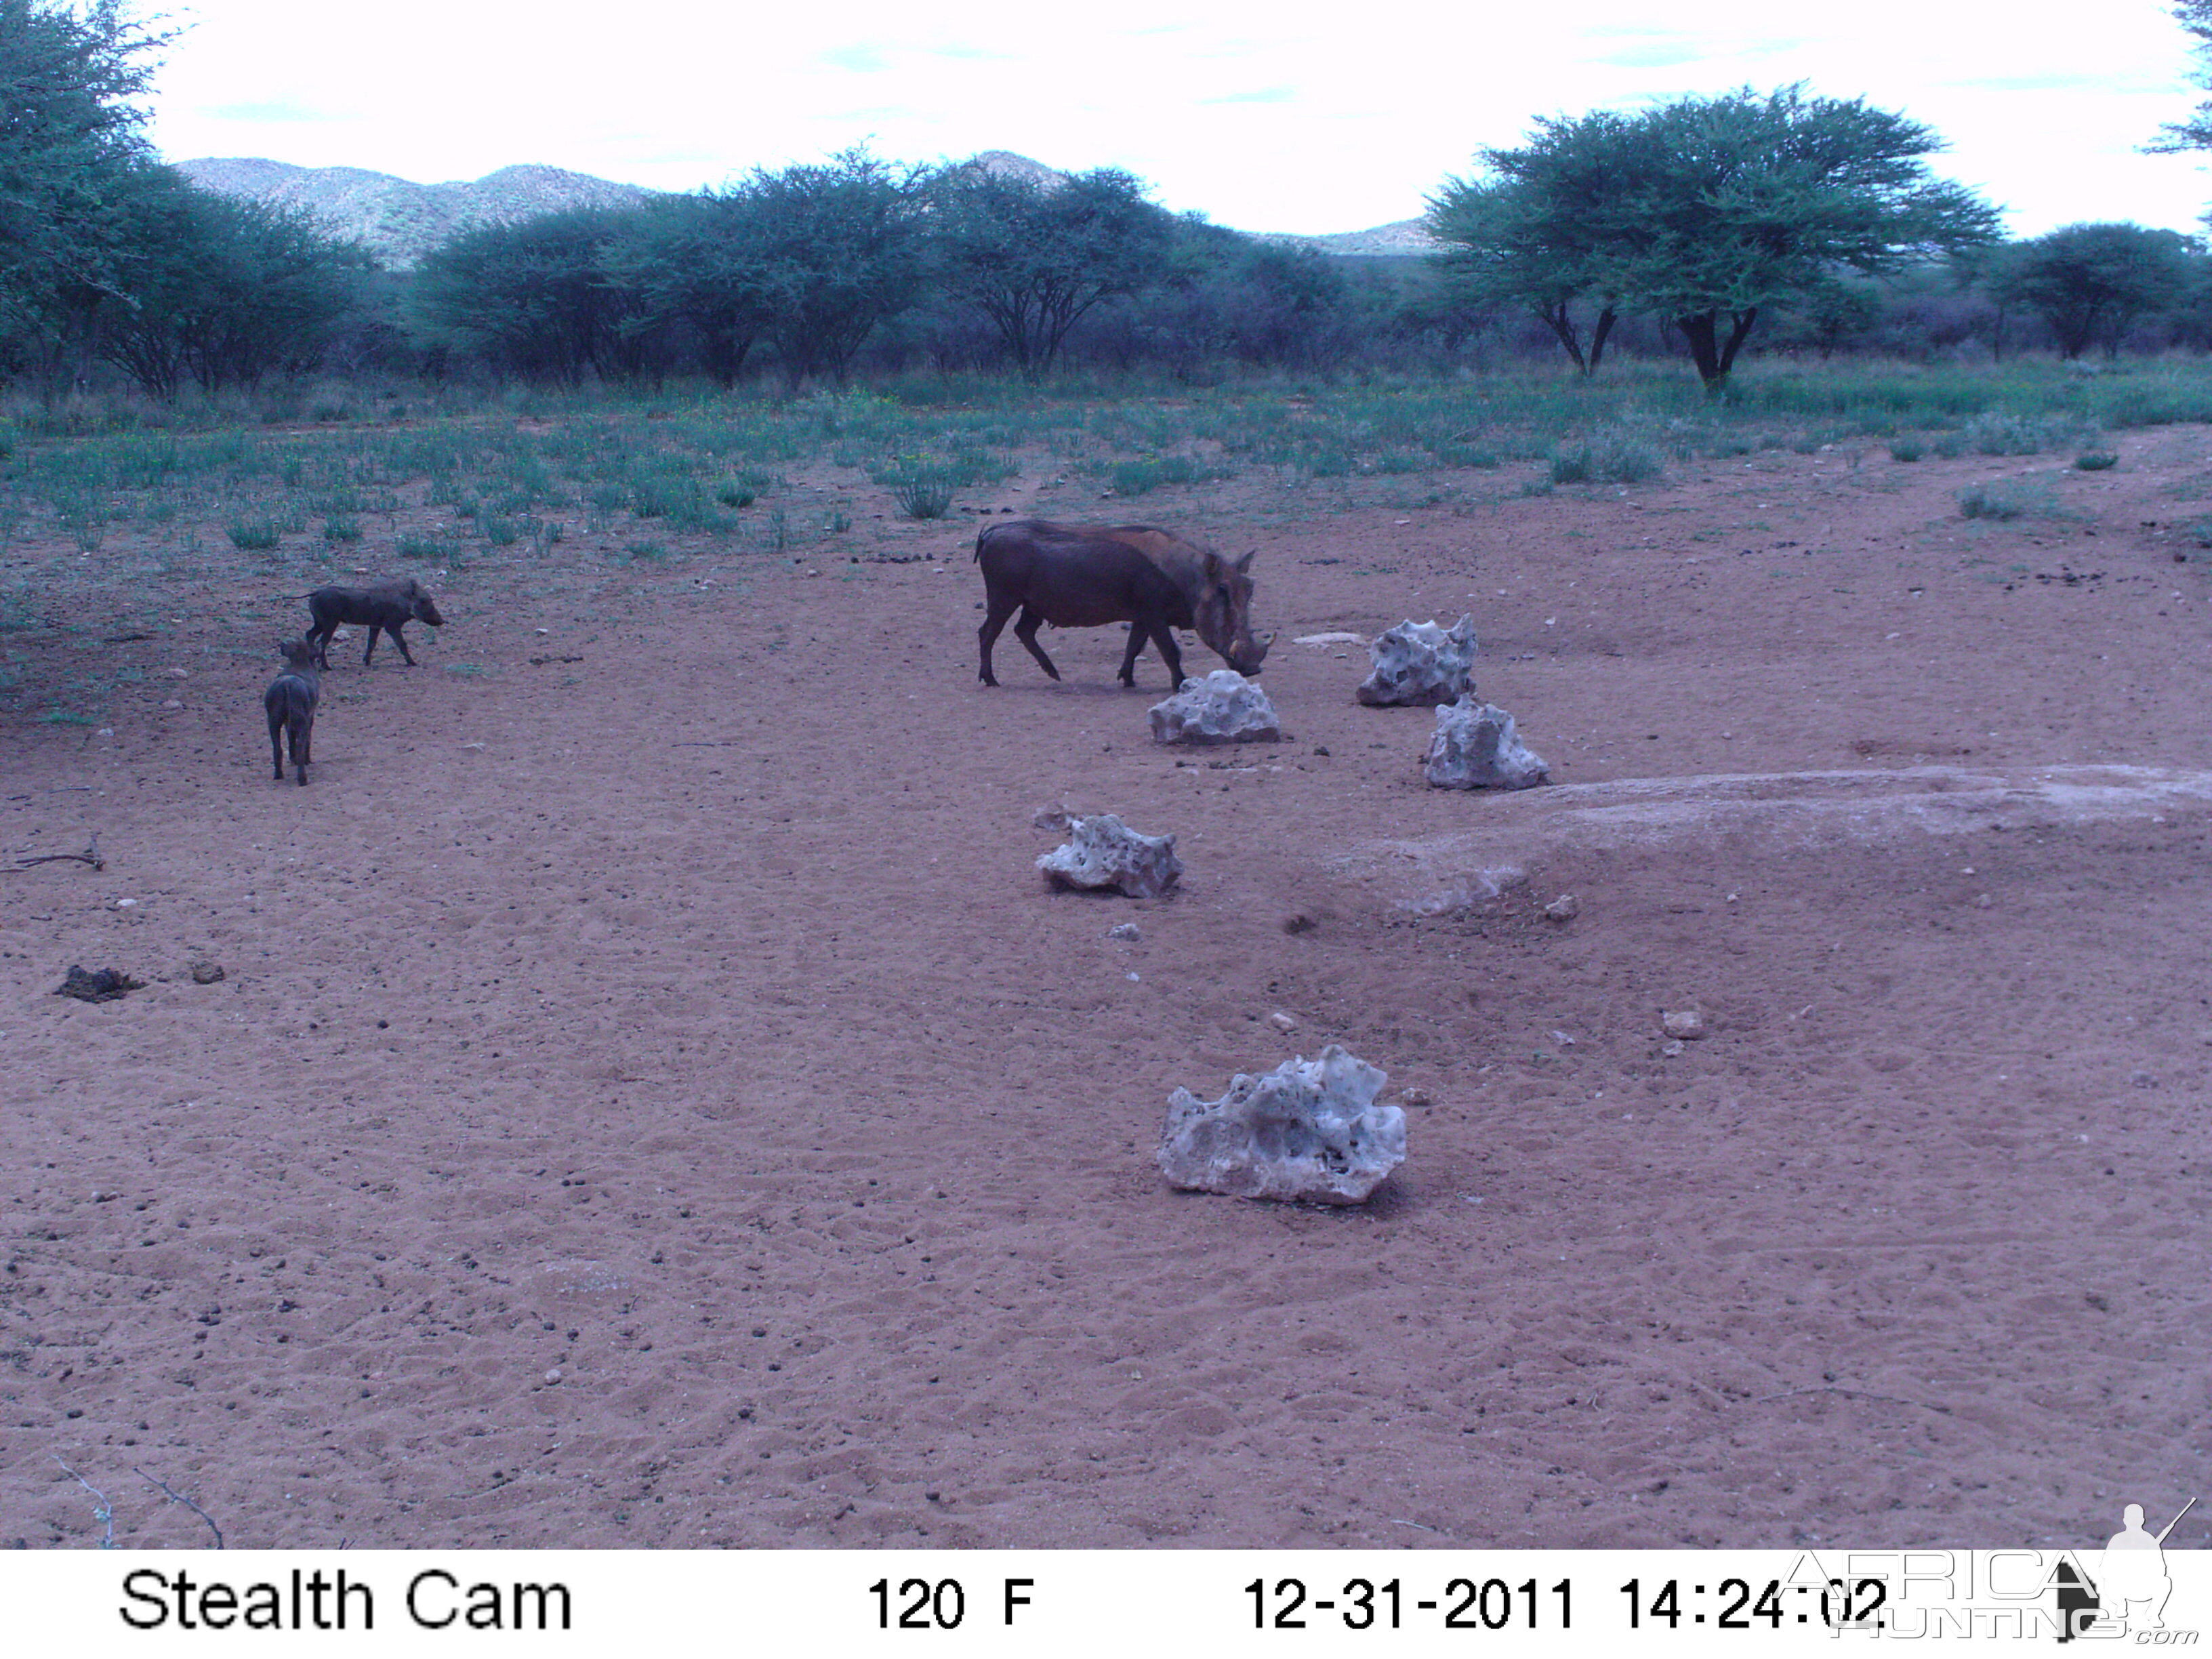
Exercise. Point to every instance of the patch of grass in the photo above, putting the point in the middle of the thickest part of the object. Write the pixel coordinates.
(2095, 460)
(1906, 449)
(338, 529)
(1140, 477)
(2010, 498)
(735, 496)
(635, 550)
(1614, 456)
(254, 535)
(924, 493)
(423, 547)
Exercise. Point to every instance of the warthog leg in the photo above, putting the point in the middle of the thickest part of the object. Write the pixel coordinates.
(1025, 630)
(1163, 638)
(987, 635)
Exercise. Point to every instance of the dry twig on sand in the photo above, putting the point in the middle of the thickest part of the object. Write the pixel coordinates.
(90, 855)
(1852, 1394)
(104, 1512)
(179, 1497)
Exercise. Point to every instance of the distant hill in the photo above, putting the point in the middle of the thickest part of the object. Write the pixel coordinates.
(400, 221)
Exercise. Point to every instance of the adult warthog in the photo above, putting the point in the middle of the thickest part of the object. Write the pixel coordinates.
(385, 608)
(1088, 575)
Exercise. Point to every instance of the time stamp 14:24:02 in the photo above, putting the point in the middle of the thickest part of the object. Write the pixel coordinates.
(1495, 1604)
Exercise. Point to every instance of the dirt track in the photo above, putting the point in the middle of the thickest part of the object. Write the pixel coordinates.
(653, 1099)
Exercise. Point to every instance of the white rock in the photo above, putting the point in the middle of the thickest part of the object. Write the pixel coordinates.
(1102, 852)
(1330, 638)
(1476, 747)
(1282, 1021)
(1565, 908)
(1688, 1023)
(1125, 930)
(1308, 1129)
(1222, 707)
(1420, 663)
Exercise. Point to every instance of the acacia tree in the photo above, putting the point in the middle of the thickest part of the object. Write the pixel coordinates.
(1708, 210)
(535, 297)
(69, 146)
(1035, 257)
(2195, 130)
(838, 249)
(2090, 283)
(699, 262)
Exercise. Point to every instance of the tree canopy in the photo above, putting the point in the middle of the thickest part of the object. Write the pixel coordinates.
(2090, 283)
(1035, 257)
(70, 142)
(1701, 210)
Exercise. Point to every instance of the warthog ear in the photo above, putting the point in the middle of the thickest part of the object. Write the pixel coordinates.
(1244, 564)
(1214, 566)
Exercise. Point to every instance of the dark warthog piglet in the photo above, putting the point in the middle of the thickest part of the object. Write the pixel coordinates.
(1088, 575)
(290, 700)
(384, 608)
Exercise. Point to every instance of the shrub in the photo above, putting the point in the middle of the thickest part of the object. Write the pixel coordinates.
(339, 528)
(735, 494)
(1906, 449)
(423, 547)
(1609, 456)
(253, 536)
(2096, 460)
(924, 493)
(2009, 498)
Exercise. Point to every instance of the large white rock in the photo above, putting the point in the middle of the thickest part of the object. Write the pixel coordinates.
(1476, 747)
(1102, 852)
(1309, 1129)
(1420, 663)
(1222, 707)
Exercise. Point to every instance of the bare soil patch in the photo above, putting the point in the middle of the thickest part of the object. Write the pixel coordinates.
(652, 1099)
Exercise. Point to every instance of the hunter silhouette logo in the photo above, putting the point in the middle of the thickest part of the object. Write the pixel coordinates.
(2131, 1584)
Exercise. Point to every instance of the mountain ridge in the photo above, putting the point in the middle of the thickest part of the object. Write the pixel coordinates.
(400, 221)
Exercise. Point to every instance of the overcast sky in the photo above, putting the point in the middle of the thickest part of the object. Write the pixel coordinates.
(1258, 115)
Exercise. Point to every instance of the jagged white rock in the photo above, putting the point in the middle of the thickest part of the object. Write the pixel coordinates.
(1476, 747)
(1309, 1129)
(1222, 707)
(1102, 852)
(1420, 663)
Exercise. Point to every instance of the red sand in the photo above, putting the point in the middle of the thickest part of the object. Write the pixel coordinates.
(654, 1100)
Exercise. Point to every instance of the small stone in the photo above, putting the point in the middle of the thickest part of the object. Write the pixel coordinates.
(127, 904)
(1412, 1096)
(206, 973)
(472, 745)
(1671, 1049)
(1282, 1021)
(1127, 930)
(171, 703)
(1222, 707)
(1688, 1023)
(1565, 908)
(553, 1376)
(1982, 901)
(178, 673)
(1300, 923)
(1102, 853)
(1307, 1130)
(1419, 664)
(1475, 746)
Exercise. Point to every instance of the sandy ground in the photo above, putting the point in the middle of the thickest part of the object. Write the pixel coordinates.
(653, 1099)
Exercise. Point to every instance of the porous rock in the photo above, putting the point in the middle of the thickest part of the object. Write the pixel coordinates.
(1222, 707)
(1311, 1129)
(1103, 853)
(1419, 664)
(1476, 747)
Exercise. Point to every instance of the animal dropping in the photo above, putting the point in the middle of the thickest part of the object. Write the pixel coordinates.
(1103, 854)
(1475, 746)
(1420, 664)
(1222, 707)
(1310, 1130)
